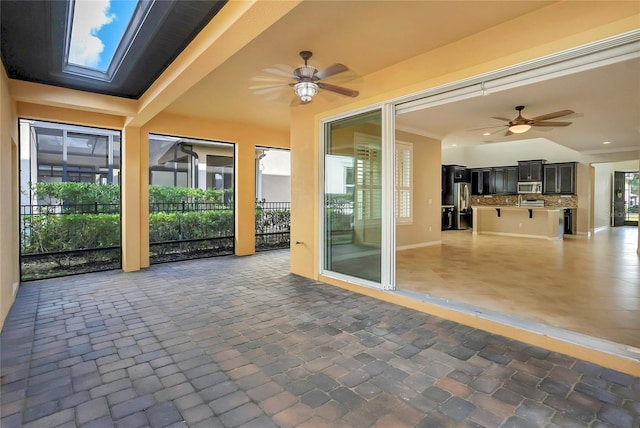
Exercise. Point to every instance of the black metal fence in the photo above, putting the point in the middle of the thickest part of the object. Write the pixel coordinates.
(273, 225)
(65, 239)
(190, 230)
(62, 239)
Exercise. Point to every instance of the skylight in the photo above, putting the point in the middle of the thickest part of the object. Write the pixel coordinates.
(99, 33)
(97, 29)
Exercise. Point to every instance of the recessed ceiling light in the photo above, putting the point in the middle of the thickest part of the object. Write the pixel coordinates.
(607, 142)
(487, 133)
(454, 145)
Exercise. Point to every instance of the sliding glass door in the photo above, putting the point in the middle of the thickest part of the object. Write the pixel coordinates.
(353, 196)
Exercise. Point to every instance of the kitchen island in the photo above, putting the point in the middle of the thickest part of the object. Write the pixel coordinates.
(511, 220)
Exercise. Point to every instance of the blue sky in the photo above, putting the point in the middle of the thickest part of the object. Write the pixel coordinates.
(98, 26)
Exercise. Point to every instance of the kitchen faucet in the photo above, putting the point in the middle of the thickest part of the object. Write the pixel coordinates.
(519, 201)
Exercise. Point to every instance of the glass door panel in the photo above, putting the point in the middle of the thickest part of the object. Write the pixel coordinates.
(353, 196)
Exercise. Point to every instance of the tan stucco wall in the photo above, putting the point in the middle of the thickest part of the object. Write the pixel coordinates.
(67, 115)
(556, 28)
(9, 271)
(246, 138)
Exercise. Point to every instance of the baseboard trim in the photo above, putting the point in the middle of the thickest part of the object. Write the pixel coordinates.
(520, 235)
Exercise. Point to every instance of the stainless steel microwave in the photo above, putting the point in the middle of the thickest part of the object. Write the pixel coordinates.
(530, 187)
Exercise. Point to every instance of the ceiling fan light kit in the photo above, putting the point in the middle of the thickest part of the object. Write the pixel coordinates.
(519, 129)
(305, 90)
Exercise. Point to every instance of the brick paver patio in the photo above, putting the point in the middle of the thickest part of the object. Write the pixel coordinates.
(230, 342)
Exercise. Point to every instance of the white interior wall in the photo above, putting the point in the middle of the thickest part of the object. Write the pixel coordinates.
(509, 153)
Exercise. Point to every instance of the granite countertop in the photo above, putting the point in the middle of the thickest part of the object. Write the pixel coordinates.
(523, 207)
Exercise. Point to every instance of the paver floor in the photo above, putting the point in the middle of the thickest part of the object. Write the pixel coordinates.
(240, 342)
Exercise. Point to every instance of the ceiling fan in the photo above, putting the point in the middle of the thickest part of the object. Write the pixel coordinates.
(307, 80)
(522, 124)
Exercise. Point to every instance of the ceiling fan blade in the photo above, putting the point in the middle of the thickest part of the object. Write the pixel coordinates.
(270, 85)
(279, 72)
(268, 79)
(486, 127)
(284, 67)
(551, 123)
(338, 89)
(331, 70)
(552, 115)
(508, 133)
(497, 130)
(266, 89)
(501, 118)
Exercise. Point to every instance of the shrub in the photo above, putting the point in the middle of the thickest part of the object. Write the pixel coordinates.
(77, 193)
(167, 194)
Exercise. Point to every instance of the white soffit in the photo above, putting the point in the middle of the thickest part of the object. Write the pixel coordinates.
(604, 52)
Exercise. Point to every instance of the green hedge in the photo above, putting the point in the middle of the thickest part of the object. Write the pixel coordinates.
(53, 232)
(166, 194)
(77, 193)
(164, 226)
(272, 220)
(90, 193)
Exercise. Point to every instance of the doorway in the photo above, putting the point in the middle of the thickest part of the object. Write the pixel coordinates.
(625, 198)
(273, 199)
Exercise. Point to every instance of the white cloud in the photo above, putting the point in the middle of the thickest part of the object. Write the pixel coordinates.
(89, 17)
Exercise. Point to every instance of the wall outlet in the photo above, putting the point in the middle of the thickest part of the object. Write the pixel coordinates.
(430, 201)
(430, 228)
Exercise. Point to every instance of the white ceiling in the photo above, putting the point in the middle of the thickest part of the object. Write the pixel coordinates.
(606, 102)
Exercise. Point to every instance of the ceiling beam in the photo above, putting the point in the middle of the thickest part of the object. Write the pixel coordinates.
(238, 23)
(37, 93)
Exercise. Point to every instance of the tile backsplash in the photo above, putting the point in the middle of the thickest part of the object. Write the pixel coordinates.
(566, 201)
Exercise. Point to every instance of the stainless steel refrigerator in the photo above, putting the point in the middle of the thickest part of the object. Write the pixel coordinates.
(462, 207)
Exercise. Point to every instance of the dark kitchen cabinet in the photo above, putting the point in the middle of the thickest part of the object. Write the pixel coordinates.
(511, 180)
(499, 175)
(481, 181)
(559, 179)
(457, 173)
(443, 186)
(530, 170)
(461, 174)
(503, 180)
(452, 174)
(447, 217)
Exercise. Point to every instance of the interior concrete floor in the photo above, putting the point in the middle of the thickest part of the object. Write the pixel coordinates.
(585, 285)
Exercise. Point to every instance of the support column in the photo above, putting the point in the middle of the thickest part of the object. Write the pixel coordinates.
(144, 198)
(244, 195)
(130, 197)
